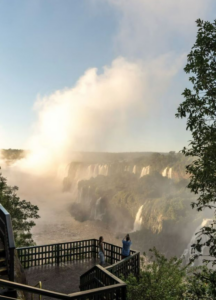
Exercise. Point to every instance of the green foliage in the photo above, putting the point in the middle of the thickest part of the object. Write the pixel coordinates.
(162, 279)
(21, 211)
(167, 279)
(201, 284)
(199, 108)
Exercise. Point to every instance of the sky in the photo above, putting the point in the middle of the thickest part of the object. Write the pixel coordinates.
(95, 75)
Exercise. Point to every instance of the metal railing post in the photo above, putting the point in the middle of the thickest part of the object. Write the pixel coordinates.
(11, 265)
(124, 292)
(111, 254)
(57, 255)
(95, 247)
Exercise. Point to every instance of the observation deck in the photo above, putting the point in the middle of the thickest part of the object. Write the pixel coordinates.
(68, 270)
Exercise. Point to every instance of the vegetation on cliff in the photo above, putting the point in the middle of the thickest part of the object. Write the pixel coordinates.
(12, 154)
(22, 213)
(167, 279)
(166, 213)
(160, 279)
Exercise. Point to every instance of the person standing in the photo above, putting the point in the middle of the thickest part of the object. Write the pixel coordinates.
(126, 243)
(101, 251)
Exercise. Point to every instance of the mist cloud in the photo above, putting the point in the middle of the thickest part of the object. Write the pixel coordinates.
(97, 112)
(149, 28)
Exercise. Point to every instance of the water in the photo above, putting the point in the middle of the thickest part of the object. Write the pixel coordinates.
(167, 172)
(134, 169)
(187, 253)
(169, 175)
(138, 219)
(164, 173)
(145, 171)
(98, 214)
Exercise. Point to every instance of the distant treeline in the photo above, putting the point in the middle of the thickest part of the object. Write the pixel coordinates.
(13, 154)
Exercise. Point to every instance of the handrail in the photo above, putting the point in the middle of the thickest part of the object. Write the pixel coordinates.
(67, 251)
(56, 295)
(97, 291)
(126, 266)
(46, 245)
(105, 271)
(121, 262)
(30, 289)
(39, 284)
(8, 298)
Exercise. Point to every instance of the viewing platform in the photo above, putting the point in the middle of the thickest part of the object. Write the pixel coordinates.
(66, 270)
(63, 278)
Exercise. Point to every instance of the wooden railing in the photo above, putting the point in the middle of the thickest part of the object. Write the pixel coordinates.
(97, 277)
(112, 292)
(129, 265)
(113, 253)
(56, 253)
(96, 283)
(6, 234)
(62, 252)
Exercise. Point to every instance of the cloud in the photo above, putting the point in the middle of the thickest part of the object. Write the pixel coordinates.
(147, 28)
(96, 114)
(3, 137)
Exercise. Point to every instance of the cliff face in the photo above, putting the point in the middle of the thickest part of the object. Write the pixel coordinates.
(145, 194)
(116, 200)
(169, 165)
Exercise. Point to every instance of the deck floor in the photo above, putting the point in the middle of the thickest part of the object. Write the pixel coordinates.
(64, 278)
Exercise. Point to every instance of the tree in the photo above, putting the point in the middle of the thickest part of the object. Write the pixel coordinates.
(162, 279)
(200, 286)
(199, 107)
(21, 211)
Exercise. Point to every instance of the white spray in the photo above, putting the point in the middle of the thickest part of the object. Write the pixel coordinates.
(138, 219)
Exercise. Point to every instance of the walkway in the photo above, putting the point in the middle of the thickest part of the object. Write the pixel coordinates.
(63, 278)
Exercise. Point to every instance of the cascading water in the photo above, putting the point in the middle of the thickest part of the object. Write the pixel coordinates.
(167, 172)
(187, 252)
(169, 175)
(134, 169)
(138, 219)
(103, 170)
(97, 213)
(96, 170)
(62, 171)
(127, 168)
(164, 173)
(145, 171)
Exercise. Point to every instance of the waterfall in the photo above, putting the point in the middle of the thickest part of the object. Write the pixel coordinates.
(127, 168)
(107, 170)
(170, 173)
(103, 170)
(96, 170)
(90, 170)
(145, 171)
(62, 171)
(100, 169)
(138, 219)
(134, 169)
(167, 172)
(187, 252)
(97, 213)
(164, 173)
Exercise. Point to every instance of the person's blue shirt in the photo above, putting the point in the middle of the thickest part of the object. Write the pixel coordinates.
(126, 248)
